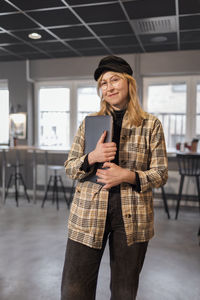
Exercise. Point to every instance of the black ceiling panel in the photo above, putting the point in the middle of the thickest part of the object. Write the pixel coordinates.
(158, 48)
(148, 9)
(90, 43)
(101, 13)
(92, 52)
(124, 50)
(170, 38)
(51, 46)
(190, 22)
(9, 58)
(121, 41)
(72, 32)
(17, 48)
(81, 2)
(6, 38)
(190, 36)
(100, 27)
(34, 56)
(190, 46)
(3, 52)
(36, 4)
(59, 54)
(54, 17)
(15, 21)
(189, 7)
(24, 34)
(5, 7)
(112, 29)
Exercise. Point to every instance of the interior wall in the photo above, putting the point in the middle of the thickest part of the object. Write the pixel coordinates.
(148, 64)
(20, 92)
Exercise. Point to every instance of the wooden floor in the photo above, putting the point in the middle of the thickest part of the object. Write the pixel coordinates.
(32, 247)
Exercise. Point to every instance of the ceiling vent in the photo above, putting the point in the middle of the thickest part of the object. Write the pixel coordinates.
(154, 25)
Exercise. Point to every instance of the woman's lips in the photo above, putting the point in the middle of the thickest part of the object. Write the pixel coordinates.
(112, 94)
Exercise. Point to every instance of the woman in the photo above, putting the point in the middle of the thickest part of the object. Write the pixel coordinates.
(121, 210)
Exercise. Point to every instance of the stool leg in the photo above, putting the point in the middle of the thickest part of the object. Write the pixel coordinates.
(56, 191)
(16, 190)
(198, 189)
(179, 195)
(45, 196)
(8, 185)
(24, 185)
(63, 189)
(165, 202)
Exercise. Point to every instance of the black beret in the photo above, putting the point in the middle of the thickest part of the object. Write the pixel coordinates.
(112, 63)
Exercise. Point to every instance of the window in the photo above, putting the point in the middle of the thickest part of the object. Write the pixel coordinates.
(60, 108)
(88, 102)
(168, 103)
(53, 108)
(4, 113)
(174, 101)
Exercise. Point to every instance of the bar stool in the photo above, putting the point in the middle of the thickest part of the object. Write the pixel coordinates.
(53, 182)
(189, 165)
(17, 177)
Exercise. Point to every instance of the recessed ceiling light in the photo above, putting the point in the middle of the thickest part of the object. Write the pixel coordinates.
(34, 36)
(158, 39)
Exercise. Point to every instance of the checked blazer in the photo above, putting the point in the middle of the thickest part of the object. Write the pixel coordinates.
(141, 149)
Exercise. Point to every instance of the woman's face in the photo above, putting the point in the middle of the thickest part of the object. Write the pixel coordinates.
(114, 90)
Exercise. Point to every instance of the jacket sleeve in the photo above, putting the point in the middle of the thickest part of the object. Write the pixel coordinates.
(76, 157)
(157, 173)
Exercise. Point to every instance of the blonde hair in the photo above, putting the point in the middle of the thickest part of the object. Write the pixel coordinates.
(135, 112)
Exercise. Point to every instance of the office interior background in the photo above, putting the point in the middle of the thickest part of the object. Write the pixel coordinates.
(49, 50)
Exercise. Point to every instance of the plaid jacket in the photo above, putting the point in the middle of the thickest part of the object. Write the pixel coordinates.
(141, 149)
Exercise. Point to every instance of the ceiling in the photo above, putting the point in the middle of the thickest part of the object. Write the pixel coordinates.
(83, 27)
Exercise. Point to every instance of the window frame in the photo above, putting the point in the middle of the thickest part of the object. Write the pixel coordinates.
(191, 83)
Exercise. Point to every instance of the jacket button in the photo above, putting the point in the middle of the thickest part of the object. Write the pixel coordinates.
(128, 216)
(123, 137)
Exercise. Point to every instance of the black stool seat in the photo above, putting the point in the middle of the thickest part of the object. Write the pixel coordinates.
(54, 181)
(17, 177)
(189, 165)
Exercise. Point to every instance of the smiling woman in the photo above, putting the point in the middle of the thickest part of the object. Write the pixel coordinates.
(119, 206)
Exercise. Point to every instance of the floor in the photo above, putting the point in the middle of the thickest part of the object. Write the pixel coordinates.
(33, 241)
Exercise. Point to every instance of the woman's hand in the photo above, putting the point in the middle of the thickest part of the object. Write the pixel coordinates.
(114, 175)
(103, 151)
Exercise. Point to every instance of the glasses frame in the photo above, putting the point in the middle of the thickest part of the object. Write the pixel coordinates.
(112, 81)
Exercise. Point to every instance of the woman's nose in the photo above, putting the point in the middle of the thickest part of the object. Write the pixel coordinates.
(110, 86)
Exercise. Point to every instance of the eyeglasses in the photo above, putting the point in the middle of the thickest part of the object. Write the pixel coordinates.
(114, 82)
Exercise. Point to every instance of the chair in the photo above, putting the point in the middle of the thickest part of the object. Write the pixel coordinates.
(17, 177)
(189, 165)
(54, 181)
